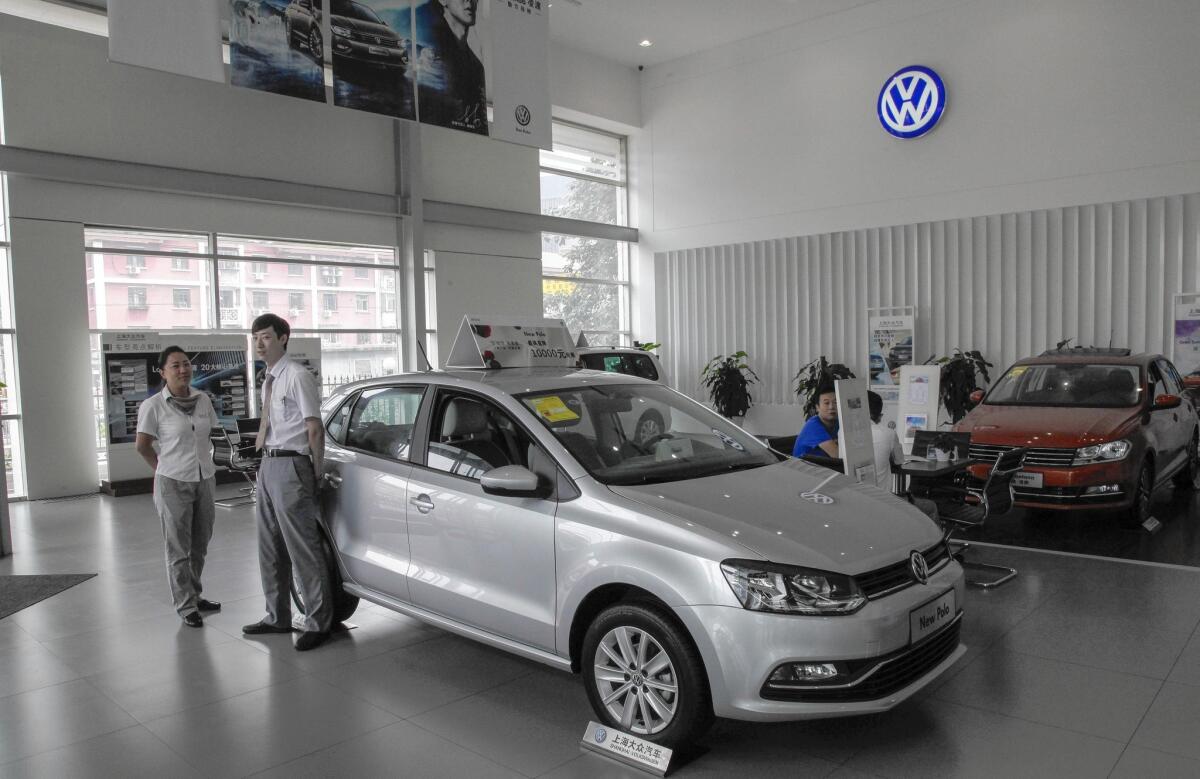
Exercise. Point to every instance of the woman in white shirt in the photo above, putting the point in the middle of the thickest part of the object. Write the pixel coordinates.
(172, 436)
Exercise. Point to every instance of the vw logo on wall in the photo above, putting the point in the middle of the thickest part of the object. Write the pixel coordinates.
(911, 102)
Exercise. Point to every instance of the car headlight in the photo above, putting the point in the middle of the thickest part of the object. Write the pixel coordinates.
(786, 589)
(342, 31)
(1113, 450)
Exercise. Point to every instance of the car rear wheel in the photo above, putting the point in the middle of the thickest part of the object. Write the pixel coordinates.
(314, 45)
(644, 676)
(1143, 491)
(1189, 477)
(344, 604)
(649, 426)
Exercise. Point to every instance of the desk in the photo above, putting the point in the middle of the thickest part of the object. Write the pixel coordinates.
(930, 469)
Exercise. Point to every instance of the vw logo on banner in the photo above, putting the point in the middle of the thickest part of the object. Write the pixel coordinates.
(911, 102)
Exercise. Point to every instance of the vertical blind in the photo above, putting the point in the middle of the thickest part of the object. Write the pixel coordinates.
(1009, 285)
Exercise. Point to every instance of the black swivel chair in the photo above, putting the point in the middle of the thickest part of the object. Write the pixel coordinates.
(238, 457)
(975, 505)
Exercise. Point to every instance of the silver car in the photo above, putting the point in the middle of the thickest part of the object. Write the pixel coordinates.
(694, 575)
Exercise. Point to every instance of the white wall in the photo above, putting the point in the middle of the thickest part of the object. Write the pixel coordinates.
(1056, 103)
(513, 288)
(585, 84)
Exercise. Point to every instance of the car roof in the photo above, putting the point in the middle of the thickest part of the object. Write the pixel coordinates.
(511, 381)
(611, 349)
(1083, 357)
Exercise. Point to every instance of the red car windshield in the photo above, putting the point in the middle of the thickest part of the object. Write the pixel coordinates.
(1068, 384)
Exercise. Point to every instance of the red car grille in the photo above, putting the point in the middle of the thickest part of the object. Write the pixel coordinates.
(1044, 457)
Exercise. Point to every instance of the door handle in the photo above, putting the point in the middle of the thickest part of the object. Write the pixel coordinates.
(423, 503)
(333, 480)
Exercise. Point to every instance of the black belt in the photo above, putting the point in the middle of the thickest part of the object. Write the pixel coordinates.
(283, 453)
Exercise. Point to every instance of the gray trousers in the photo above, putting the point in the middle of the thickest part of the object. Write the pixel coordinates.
(289, 543)
(187, 512)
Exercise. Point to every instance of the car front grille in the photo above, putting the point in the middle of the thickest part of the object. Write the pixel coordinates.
(1044, 457)
(375, 40)
(895, 577)
(877, 677)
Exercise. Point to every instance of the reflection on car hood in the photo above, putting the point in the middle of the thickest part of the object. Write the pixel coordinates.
(369, 28)
(762, 509)
(1049, 426)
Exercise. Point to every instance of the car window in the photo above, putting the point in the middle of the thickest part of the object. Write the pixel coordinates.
(639, 365)
(1172, 384)
(1068, 384)
(339, 422)
(470, 436)
(382, 421)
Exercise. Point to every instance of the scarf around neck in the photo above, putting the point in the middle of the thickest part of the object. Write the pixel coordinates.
(186, 405)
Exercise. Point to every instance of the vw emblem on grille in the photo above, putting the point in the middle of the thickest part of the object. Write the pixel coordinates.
(523, 115)
(920, 568)
(911, 102)
(817, 497)
(601, 734)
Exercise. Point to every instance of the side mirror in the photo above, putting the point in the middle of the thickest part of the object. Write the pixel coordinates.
(513, 481)
(1163, 402)
(977, 397)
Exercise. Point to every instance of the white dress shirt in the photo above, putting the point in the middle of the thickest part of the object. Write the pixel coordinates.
(294, 398)
(184, 451)
(887, 451)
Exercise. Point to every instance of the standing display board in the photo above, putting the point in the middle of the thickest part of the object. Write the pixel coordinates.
(507, 342)
(890, 346)
(1185, 344)
(854, 430)
(129, 362)
(919, 388)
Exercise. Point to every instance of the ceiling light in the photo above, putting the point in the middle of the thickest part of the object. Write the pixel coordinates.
(646, 43)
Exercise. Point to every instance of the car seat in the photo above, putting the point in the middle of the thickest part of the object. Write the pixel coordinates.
(1122, 388)
(465, 425)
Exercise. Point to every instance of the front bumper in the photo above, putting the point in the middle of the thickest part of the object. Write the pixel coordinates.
(741, 649)
(1065, 489)
(384, 57)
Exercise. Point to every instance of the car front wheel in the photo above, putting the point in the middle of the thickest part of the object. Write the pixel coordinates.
(644, 676)
(1143, 491)
(314, 45)
(344, 604)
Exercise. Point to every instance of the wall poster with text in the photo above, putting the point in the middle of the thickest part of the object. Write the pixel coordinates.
(279, 46)
(890, 347)
(1185, 345)
(371, 47)
(451, 86)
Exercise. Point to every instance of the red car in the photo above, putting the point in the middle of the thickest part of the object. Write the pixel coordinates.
(1104, 428)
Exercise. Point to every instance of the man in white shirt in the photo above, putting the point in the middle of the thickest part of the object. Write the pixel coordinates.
(886, 442)
(292, 441)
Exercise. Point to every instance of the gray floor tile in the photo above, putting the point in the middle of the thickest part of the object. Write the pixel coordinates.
(207, 674)
(401, 749)
(1173, 722)
(28, 666)
(374, 634)
(52, 717)
(93, 605)
(131, 752)
(12, 634)
(531, 725)
(1139, 763)
(150, 641)
(1090, 700)
(943, 739)
(1187, 667)
(267, 727)
(415, 679)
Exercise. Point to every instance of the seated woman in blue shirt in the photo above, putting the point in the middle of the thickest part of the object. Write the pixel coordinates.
(820, 433)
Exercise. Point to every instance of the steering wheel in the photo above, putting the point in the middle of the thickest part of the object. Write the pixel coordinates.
(647, 445)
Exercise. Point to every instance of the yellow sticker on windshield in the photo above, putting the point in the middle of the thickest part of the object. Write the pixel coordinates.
(552, 409)
(1017, 371)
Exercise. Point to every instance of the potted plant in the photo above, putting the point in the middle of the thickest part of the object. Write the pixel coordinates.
(810, 377)
(646, 347)
(728, 380)
(960, 376)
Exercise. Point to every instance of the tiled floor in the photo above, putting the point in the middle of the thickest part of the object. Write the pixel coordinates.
(1079, 667)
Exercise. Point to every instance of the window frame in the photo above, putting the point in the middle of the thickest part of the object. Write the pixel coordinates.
(353, 401)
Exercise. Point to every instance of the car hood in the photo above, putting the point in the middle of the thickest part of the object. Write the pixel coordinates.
(762, 510)
(369, 28)
(1048, 426)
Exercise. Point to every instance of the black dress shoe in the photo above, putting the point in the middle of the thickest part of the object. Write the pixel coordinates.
(258, 628)
(192, 619)
(310, 639)
(208, 605)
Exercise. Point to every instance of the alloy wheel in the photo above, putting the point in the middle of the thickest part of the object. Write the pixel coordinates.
(648, 428)
(636, 680)
(314, 45)
(1144, 492)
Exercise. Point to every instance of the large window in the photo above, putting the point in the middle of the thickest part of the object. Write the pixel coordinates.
(10, 397)
(585, 280)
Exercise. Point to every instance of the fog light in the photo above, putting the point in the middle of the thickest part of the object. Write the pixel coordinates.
(792, 673)
(1103, 489)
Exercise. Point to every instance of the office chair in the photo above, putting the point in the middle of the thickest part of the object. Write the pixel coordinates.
(977, 504)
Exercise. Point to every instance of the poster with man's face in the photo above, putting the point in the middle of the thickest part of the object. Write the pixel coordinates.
(278, 46)
(451, 88)
(371, 46)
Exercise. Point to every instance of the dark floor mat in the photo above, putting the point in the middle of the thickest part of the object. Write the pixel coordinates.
(17, 592)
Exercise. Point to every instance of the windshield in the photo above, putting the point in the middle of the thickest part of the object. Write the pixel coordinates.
(644, 433)
(353, 10)
(1068, 384)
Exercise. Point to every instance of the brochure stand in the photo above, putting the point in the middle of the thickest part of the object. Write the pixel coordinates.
(920, 389)
(854, 433)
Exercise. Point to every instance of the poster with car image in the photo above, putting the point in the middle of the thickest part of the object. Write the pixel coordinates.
(278, 46)
(890, 347)
(451, 89)
(1185, 347)
(371, 47)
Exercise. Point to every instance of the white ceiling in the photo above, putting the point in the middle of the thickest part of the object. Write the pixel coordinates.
(614, 28)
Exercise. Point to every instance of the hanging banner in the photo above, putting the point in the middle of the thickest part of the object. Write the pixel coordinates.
(520, 30)
(178, 36)
(1185, 346)
(372, 56)
(451, 89)
(855, 444)
(890, 347)
(919, 388)
(278, 46)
